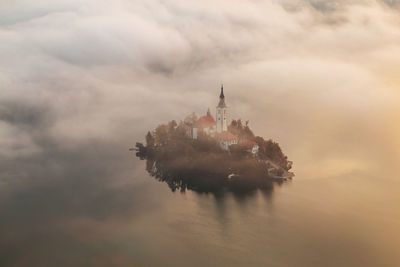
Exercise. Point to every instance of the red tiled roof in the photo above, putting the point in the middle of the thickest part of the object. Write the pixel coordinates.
(226, 136)
(248, 144)
(204, 122)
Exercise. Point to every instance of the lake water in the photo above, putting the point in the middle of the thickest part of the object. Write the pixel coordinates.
(95, 205)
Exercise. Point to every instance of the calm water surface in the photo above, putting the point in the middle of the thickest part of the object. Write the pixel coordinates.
(95, 205)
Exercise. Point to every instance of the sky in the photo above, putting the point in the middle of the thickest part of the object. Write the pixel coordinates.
(319, 77)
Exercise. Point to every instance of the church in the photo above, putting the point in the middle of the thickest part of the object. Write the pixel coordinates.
(216, 128)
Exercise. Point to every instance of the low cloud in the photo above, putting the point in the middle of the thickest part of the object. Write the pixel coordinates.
(82, 80)
(74, 71)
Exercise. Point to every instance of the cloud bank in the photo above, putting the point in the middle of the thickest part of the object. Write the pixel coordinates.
(319, 76)
(82, 80)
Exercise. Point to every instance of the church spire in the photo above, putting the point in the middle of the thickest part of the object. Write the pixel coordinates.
(221, 113)
(221, 103)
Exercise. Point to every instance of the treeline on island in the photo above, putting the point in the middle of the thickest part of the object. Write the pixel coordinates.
(201, 164)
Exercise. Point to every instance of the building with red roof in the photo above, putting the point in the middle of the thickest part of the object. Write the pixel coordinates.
(216, 128)
(226, 139)
(205, 124)
(250, 146)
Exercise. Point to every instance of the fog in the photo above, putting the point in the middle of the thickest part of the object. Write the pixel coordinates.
(325, 72)
(81, 81)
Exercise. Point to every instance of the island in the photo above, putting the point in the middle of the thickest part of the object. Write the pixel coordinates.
(207, 155)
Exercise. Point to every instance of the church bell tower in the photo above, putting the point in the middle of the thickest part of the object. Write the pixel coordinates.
(221, 113)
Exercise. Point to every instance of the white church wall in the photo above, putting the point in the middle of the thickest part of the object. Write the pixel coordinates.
(194, 133)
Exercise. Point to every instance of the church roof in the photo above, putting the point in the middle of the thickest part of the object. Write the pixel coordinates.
(226, 136)
(221, 103)
(204, 122)
(248, 144)
(221, 95)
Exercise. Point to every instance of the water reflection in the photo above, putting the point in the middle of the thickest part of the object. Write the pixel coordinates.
(98, 206)
(219, 186)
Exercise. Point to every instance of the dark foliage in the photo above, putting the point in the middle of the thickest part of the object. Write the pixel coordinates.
(183, 163)
(271, 150)
(268, 149)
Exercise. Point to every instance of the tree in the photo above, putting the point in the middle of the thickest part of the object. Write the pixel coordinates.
(239, 125)
(161, 135)
(236, 127)
(182, 130)
(149, 140)
(238, 151)
(171, 126)
(272, 151)
(190, 119)
(248, 134)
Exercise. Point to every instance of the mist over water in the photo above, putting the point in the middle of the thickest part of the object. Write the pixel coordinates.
(97, 206)
(82, 81)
